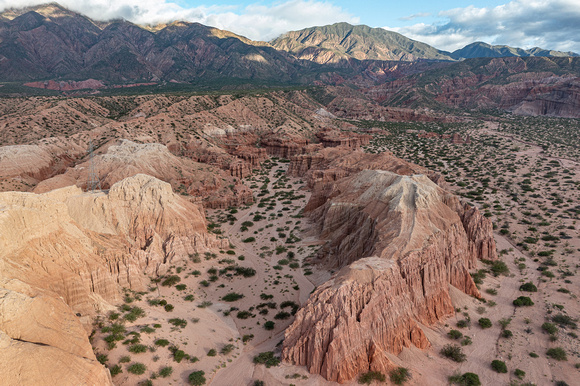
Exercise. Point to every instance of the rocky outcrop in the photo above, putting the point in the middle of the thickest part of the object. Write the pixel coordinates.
(284, 145)
(334, 138)
(399, 241)
(127, 158)
(42, 342)
(66, 255)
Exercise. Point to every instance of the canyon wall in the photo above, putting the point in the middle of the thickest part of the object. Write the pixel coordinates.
(66, 255)
(399, 242)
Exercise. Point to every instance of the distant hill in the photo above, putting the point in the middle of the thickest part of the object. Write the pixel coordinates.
(484, 50)
(332, 43)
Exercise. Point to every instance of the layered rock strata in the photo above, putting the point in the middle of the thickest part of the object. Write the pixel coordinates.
(399, 242)
(66, 255)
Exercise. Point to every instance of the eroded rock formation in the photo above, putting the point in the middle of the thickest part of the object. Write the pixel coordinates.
(66, 253)
(399, 241)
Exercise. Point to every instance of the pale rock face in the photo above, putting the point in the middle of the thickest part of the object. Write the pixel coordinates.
(42, 342)
(72, 253)
(400, 242)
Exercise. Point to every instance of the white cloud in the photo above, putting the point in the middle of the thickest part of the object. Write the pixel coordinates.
(258, 22)
(550, 24)
(415, 16)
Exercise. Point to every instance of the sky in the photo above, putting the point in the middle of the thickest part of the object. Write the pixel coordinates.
(444, 24)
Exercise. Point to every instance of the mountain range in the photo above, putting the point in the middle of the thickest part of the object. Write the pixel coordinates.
(49, 42)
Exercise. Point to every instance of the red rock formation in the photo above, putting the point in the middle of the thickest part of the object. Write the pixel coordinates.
(67, 85)
(334, 138)
(400, 241)
(284, 145)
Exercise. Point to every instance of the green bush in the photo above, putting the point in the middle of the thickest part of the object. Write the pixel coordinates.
(467, 379)
(212, 352)
(484, 323)
(197, 378)
(507, 334)
(519, 373)
(368, 378)
(249, 240)
(166, 372)
(171, 280)
(267, 358)
(564, 321)
(269, 325)
(137, 368)
(534, 355)
(499, 366)
(454, 334)
(523, 301)
(177, 322)
(228, 348)
(529, 287)
(550, 328)
(232, 297)
(557, 353)
(453, 352)
(161, 342)
(499, 268)
(138, 348)
(399, 375)
(115, 370)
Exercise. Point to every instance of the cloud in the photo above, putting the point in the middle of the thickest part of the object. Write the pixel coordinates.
(550, 24)
(415, 16)
(256, 21)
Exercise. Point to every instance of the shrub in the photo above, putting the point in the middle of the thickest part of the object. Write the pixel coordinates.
(178, 355)
(267, 358)
(137, 368)
(138, 348)
(125, 359)
(499, 268)
(534, 355)
(115, 370)
(506, 334)
(102, 358)
(232, 297)
(519, 373)
(564, 321)
(467, 379)
(171, 280)
(462, 323)
(529, 287)
(399, 375)
(189, 298)
(523, 301)
(453, 352)
(166, 371)
(368, 378)
(249, 240)
(282, 315)
(247, 338)
(484, 323)
(557, 353)
(466, 341)
(169, 307)
(162, 342)
(212, 352)
(550, 328)
(228, 348)
(197, 378)
(269, 325)
(498, 366)
(244, 314)
(454, 334)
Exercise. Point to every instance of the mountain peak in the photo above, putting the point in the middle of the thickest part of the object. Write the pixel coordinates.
(339, 41)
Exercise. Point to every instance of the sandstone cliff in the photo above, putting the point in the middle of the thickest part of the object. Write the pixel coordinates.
(401, 241)
(66, 254)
